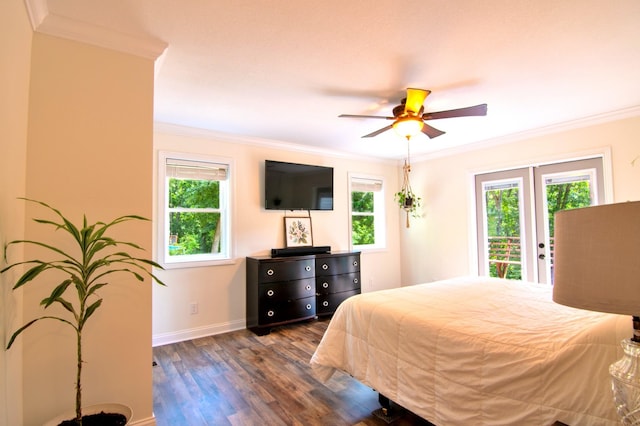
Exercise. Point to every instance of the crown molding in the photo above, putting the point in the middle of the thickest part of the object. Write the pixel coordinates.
(533, 133)
(47, 23)
(179, 130)
(37, 11)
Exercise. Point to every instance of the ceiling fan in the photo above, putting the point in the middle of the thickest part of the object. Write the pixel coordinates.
(409, 117)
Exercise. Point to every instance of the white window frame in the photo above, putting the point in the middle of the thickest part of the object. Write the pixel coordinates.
(379, 206)
(225, 256)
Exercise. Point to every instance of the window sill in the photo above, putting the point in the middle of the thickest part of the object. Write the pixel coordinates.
(369, 249)
(197, 263)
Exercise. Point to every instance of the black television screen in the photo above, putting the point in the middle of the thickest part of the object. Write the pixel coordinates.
(291, 186)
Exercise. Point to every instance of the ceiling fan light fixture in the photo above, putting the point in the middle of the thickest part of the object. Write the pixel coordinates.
(409, 118)
(408, 126)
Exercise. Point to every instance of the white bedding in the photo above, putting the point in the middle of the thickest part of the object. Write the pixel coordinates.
(478, 351)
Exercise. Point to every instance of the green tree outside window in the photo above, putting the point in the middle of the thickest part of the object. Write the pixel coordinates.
(503, 220)
(194, 216)
(362, 223)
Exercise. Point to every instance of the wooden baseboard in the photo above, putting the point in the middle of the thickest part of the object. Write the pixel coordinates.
(195, 333)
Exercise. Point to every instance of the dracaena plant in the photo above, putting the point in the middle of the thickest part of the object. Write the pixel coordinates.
(81, 273)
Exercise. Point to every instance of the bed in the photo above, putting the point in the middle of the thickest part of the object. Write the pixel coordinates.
(481, 351)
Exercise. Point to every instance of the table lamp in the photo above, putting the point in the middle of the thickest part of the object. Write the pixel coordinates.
(597, 267)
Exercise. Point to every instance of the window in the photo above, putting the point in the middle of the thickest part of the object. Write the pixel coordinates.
(194, 229)
(367, 212)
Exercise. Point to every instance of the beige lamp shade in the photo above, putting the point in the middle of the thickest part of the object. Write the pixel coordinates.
(597, 258)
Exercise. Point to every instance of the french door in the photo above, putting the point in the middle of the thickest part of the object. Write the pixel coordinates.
(515, 215)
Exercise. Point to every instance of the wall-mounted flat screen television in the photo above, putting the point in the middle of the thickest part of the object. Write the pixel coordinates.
(292, 186)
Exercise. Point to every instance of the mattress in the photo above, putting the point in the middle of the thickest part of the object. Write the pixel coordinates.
(481, 351)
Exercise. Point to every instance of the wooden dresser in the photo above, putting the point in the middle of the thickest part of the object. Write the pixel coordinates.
(283, 290)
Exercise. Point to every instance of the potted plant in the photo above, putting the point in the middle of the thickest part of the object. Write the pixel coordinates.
(405, 198)
(409, 202)
(84, 272)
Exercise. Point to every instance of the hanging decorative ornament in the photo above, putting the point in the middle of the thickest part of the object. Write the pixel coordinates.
(405, 198)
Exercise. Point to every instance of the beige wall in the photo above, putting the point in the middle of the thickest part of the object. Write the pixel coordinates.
(90, 151)
(15, 52)
(440, 245)
(220, 290)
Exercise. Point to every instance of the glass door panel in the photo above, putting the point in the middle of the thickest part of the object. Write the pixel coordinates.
(562, 186)
(502, 204)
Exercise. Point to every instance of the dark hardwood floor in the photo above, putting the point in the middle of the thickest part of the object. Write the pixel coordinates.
(239, 378)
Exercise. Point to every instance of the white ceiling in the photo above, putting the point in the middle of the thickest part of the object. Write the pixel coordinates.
(283, 70)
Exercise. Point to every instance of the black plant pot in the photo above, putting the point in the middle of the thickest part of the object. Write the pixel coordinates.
(408, 203)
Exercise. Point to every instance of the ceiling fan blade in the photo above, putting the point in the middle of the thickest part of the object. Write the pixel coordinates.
(365, 116)
(415, 100)
(476, 110)
(377, 132)
(432, 132)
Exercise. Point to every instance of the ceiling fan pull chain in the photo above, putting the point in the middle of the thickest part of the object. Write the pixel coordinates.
(407, 170)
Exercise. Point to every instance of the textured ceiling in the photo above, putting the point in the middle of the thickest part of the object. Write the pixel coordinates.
(281, 70)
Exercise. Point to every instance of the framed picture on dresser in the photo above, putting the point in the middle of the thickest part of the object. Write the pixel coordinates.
(297, 232)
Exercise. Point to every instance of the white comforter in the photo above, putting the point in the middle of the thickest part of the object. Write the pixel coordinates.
(478, 351)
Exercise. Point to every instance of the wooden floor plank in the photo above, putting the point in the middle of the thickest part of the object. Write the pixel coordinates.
(239, 378)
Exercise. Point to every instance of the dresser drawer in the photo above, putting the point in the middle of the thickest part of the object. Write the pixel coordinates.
(328, 303)
(288, 290)
(275, 312)
(337, 283)
(286, 271)
(337, 265)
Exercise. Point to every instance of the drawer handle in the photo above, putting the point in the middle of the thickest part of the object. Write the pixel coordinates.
(355, 281)
(325, 285)
(270, 313)
(325, 266)
(270, 272)
(355, 263)
(307, 268)
(270, 292)
(308, 287)
(325, 303)
(308, 306)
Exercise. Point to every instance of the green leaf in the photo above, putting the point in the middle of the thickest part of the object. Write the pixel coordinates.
(91, 309)
(30, 323)
(158, 280)
(30, 274)
(20, 330)
(67, 305)
(95, 287)
(47, 246)
(150, 262)
(81, 288)
(68, 226)
(49, 222)
(56, 293)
